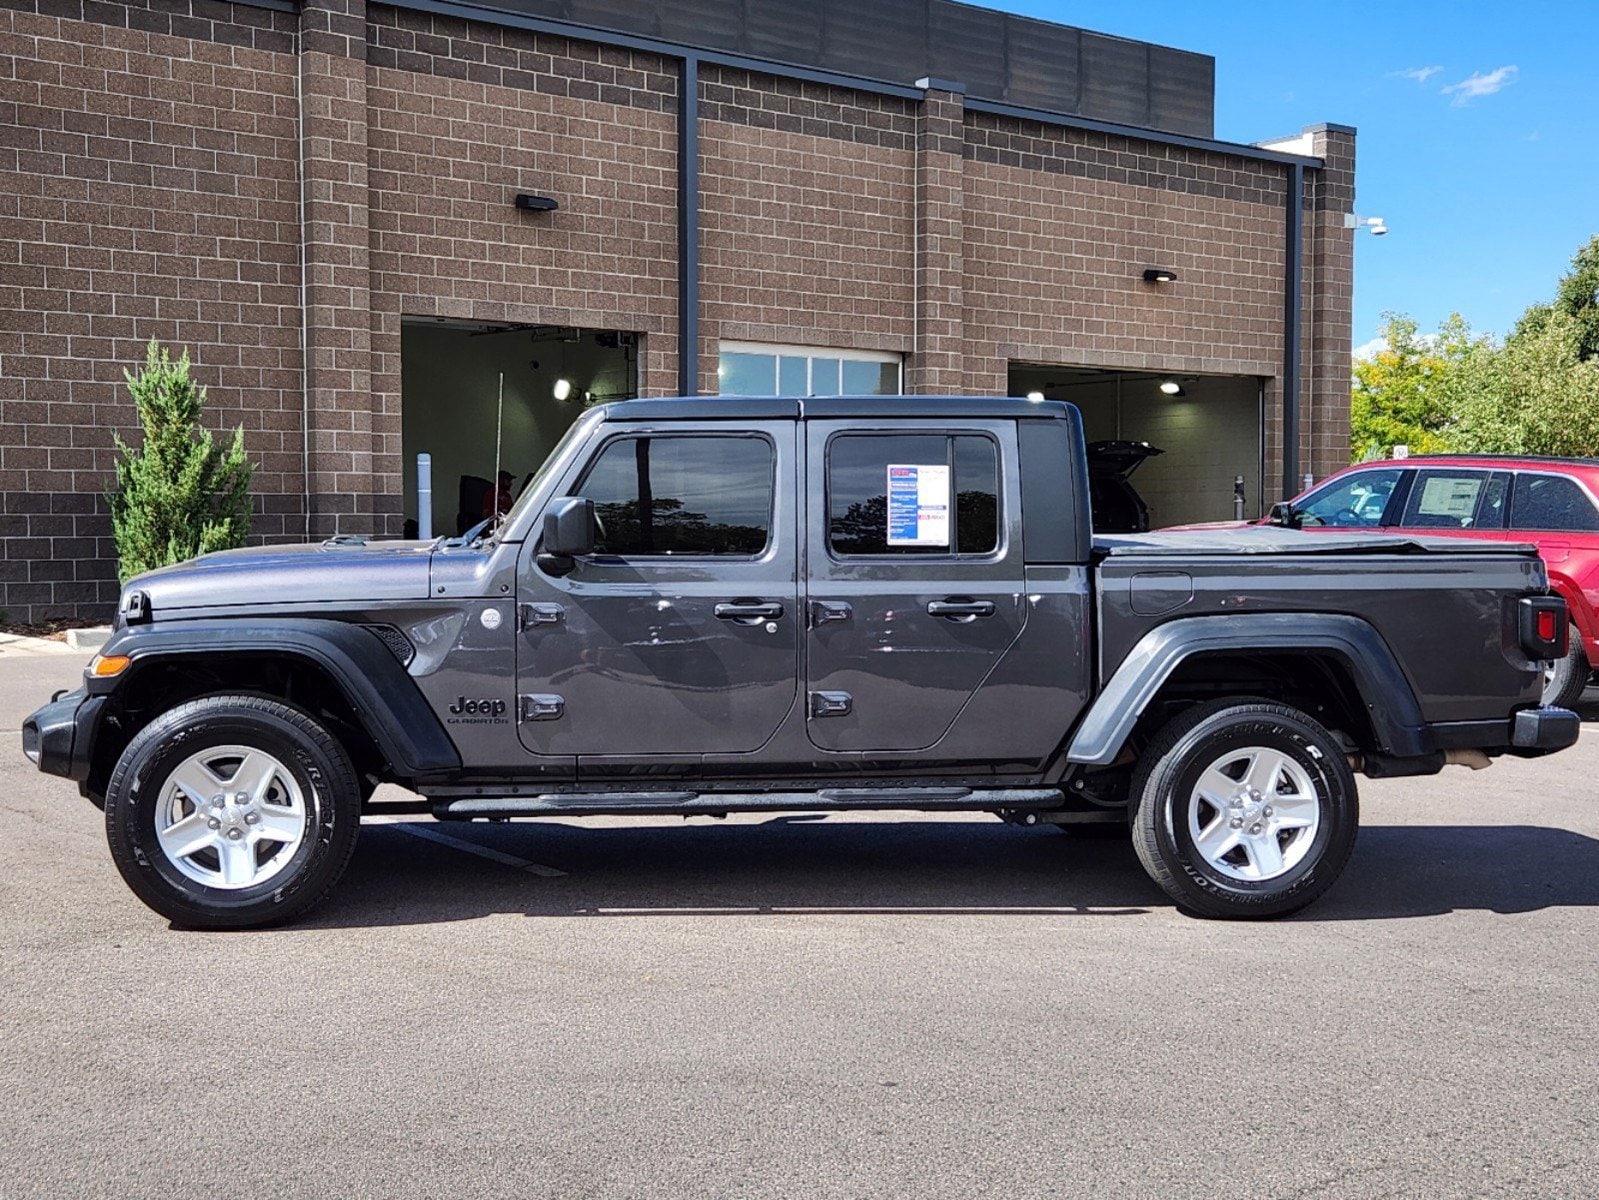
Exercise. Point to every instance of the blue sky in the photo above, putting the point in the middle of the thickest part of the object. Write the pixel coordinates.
(1486, 195)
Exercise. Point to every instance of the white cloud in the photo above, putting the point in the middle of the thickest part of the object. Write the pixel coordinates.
(1419, 74)
(1480, 84)
(1371, 349)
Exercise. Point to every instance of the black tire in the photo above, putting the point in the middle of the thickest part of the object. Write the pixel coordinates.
(318, 765)
(1164, 788)
(1567, 679)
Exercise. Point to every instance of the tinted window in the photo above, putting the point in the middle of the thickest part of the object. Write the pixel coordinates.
(682, 495)
(919, 471)
(1552, 502)
(1454, 500)
(1355, 502)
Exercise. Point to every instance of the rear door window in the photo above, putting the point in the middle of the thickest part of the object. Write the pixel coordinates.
(912, 494)
(1554, 503)
(1454, 499)
(1356, 501)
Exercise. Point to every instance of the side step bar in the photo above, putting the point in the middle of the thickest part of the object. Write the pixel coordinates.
(591, 804)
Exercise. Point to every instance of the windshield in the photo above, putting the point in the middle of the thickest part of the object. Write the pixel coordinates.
(538, 477)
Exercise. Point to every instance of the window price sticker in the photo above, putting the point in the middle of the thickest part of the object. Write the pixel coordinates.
(918, 504)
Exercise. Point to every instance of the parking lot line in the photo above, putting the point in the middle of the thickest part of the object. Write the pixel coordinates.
(418, 830)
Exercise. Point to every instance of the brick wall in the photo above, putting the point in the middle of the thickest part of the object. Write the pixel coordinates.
(806, 215)
(463, 116)
(1060, 226)
(148, 188)
(161, 180)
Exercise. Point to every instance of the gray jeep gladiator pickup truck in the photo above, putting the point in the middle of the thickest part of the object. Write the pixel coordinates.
(701, 606)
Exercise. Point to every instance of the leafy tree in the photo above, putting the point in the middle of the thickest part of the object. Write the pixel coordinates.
(1536, 394)
(1400, 393)
(179, 494)
(1578, 298)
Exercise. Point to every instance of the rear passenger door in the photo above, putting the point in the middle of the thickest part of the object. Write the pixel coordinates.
(1560, 517)
(1457, 502)
(914, 556)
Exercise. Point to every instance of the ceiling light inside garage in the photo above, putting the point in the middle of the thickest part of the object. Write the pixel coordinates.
(1172, 388)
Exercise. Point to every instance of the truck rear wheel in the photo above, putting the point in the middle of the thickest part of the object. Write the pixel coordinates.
(1244, 810)
(1565, 679)
(231, 812)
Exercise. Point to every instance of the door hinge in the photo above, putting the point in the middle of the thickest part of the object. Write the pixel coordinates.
(831, 704)
(824, 611)
(529, 615)
(540, 708)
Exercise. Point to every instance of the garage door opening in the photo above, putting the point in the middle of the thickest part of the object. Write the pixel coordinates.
(450, 378)
(1207, 427)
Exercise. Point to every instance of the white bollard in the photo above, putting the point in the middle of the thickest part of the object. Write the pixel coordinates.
(424, 497)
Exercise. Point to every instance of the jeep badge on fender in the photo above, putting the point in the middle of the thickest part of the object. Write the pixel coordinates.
(474, 708)
(736, 604)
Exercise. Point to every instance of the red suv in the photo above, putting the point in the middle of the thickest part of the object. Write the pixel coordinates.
(1553, 503)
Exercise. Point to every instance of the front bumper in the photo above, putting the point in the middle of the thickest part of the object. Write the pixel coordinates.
(59, 738)
(1537, 731)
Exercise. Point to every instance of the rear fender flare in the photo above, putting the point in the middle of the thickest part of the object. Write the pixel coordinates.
(1384, 688)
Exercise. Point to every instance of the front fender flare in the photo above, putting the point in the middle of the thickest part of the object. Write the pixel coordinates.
(373, 681)
(1383, 686)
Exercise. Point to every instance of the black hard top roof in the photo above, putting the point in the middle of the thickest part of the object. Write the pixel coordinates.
(778, 408)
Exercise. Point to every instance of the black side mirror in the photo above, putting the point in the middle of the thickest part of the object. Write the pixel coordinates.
(569, 534)
(1285, 514)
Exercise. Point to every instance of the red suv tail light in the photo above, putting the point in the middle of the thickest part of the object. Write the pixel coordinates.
(1542, 625)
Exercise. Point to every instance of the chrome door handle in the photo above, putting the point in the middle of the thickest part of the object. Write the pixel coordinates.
(960, 610)
(749, 611)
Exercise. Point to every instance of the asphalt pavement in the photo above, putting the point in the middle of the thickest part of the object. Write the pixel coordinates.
(789, 1007)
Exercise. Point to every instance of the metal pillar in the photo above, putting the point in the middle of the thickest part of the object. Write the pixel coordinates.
(1294, 236)
(688, 227)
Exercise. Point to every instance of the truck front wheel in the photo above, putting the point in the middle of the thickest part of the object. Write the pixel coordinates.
(232, 811)
(1244, 810)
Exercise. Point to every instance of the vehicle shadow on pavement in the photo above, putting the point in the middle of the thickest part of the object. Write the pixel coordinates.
(782, 864)
(1425, 870)
(788, 865)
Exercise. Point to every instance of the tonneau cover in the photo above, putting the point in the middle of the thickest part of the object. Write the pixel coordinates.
(1271, 539)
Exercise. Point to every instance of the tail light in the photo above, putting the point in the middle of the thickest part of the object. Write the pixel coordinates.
(1542, 626)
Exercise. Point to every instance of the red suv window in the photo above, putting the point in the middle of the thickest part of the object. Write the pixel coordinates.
(1552, 502)
(1455, 499)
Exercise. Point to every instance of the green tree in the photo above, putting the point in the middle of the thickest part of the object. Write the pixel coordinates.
(1400, 392)
(179, 494)
(1536, 394)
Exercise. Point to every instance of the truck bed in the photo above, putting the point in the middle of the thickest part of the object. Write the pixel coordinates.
(1266, 539)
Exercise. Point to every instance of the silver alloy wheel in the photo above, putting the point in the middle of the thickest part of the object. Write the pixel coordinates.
(230, 817)
(1254, 813)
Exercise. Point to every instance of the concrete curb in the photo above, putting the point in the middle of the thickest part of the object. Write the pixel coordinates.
(15, 645)
(89, 641)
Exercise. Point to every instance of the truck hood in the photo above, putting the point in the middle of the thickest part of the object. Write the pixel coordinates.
(330, 572)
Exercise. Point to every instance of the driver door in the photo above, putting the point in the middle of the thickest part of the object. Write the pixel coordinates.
(680, 635)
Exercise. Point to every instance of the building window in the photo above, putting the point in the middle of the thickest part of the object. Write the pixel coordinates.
(754, 369)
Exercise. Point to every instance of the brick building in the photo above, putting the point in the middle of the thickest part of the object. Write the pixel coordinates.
(319, 200)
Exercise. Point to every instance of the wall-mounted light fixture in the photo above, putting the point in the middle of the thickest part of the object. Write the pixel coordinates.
(1036, 397)
(563, 388)
(531, 203)
(1172, 388)
(1159, 275)
(1375, 226)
